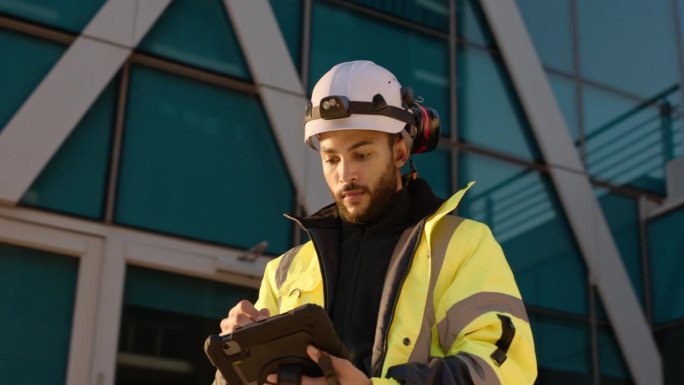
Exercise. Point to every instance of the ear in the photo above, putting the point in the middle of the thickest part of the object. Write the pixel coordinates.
(400, 153)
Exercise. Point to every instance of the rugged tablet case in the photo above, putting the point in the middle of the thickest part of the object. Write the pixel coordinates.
(252, 352)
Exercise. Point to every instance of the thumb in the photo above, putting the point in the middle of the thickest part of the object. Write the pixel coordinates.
(313, 352)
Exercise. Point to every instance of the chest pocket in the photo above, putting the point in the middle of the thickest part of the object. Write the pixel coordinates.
(299, 292)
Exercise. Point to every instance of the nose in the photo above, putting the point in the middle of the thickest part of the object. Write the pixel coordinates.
(347, 172)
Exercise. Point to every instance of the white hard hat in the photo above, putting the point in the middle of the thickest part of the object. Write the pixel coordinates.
(357, 84)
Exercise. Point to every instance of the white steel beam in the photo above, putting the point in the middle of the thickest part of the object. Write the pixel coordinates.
(282, 94)
(49, 115)
(574, 188)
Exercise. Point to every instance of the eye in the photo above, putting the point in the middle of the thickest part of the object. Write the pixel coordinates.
(363, 155)
(331, 160)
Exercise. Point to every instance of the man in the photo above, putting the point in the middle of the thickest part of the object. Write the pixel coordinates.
(418, 296)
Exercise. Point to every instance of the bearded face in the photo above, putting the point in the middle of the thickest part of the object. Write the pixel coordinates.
(361, 168)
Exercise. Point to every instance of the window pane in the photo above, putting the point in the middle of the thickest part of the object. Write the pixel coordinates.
(435, 167)
(70, 15)
(30, 60)
(289, 16)
(666, 250)
(526, 218)
(37, 294)
(489, 114)
(554, 49)
(197, 33)
(417, 60)
(563, 351)
(165, 319)
(75, 179)
(629, 45)
(431, 13)
(613, 367)
(471, 24)
(193, 156)
(622, 214)
(628, 143)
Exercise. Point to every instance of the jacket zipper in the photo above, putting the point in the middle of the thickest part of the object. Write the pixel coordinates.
(396, 297)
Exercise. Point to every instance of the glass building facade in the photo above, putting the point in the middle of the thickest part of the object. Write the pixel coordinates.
(176, 168)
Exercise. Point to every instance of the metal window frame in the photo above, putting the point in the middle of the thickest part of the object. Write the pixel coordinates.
(587, 221)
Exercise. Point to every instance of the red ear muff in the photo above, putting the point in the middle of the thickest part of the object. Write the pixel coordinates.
(425, 130)
(427, 133)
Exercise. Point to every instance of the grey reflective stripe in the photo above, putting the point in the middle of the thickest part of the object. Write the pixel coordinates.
(467, 310)
(480, 371)
(284, 265)
(440, 242)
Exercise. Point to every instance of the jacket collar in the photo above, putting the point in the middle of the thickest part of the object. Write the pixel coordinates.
(445, 208)
(424, 204)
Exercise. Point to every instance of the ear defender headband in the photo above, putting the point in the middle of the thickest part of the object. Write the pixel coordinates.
(422, 123)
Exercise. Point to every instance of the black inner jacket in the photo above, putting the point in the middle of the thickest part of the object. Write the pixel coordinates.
(358, 262)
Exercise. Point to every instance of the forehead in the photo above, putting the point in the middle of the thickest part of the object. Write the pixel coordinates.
(340, 140)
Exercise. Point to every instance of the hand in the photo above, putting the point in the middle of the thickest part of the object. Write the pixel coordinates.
(244, 313)
(346, 372)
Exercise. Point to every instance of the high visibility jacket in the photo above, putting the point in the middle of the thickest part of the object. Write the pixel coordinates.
(450, 310)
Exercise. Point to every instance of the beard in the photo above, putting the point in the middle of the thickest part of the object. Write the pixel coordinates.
(380, 198)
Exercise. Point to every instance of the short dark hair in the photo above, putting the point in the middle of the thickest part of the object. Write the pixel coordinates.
(393, 138)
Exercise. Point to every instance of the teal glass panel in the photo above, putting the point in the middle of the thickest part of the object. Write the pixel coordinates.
(489, 114)
(471, 24)
(565, 92)
(563, 351)
(622, 214)
(417, 60)
(435, 167)
(75, 179)
(176, 293)
(198, 33)
(289, 16)
(37, 294)
(670, 341)
(629, 45)
(69, 15)
(629, 143)
(165, 319)
(521, 208)
(201, 161)
(613, 368)
(666, 250)
(430, 13)
(549, 24)
(23, 70)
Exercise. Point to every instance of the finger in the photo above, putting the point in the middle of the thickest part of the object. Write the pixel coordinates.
(247, 308)
(313, 352)
(336, 362)
(306, 380)
(243, 320)
(226, 326)
(263, 314)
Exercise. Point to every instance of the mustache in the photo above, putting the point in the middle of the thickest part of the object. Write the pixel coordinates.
(352, 187)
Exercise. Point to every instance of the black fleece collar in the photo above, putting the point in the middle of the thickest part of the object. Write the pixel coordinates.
(423, 203)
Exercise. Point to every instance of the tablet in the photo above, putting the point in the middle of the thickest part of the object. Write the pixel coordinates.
(250, 353)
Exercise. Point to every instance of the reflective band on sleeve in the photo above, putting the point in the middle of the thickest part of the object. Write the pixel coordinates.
(284, 265)
(468, 309)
